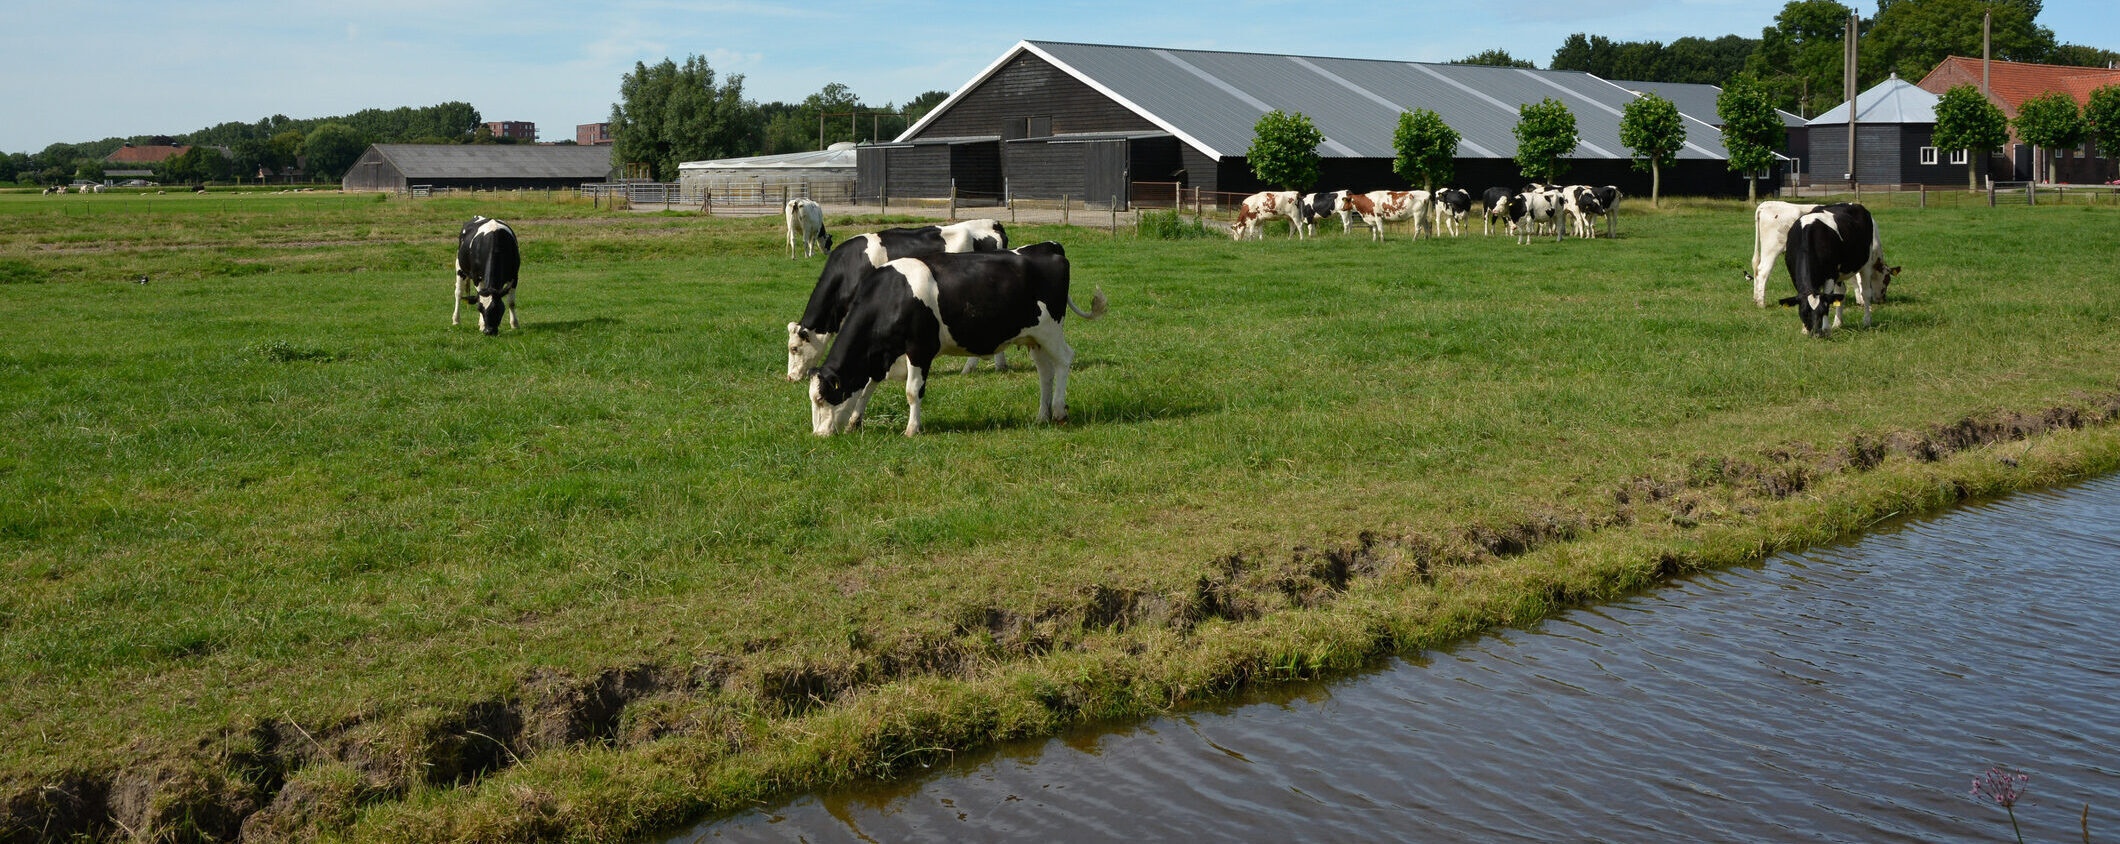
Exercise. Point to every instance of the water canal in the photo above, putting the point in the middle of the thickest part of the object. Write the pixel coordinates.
(1848, 693)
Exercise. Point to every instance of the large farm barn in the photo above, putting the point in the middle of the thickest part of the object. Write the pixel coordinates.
(399, 167)
(1051, 119)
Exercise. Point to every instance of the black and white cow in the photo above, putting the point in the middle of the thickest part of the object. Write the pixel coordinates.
(487, 264)
(1583, 207)
(1451, 206)
(1826, 247)
(854, 258)
(1771, 222)
(1317, 206)
(1527, 211)
(1496, 201)
(806, 225)
(911, 310)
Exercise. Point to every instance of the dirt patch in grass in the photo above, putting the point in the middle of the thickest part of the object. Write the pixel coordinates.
(279, 780)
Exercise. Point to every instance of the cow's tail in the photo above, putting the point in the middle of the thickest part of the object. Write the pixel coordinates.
(1754, 266)
(1096, 306)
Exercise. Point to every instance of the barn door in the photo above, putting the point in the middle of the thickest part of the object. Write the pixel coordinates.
(1104, 177)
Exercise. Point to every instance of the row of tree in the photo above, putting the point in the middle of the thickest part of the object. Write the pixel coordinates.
(324, 146)
(1799, 60)
(1967, 120)
(669, 113)
(1284, 153)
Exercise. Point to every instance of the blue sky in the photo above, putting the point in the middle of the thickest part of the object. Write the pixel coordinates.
(79, 71)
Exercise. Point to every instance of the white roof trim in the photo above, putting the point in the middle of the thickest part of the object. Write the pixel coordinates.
(1027, 47)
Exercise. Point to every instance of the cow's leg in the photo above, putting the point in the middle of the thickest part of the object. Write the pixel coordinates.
(915, 387)
(462, 290)
(512, 322)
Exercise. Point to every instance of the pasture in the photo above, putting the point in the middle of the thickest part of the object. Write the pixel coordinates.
(286, 551)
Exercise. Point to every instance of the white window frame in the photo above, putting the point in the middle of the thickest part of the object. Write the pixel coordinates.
(1959, 156)
(1928, 155)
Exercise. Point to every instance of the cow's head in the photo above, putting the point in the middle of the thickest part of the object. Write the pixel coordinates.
(805, 350)
(1884, 279)
(834, 408)
(826, 237)
(492, 305)
(1816, 309)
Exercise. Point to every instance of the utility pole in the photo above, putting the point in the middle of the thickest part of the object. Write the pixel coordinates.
(1848, 80)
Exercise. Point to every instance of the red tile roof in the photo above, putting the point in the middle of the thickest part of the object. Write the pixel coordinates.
(145, 154)
(2011, 83)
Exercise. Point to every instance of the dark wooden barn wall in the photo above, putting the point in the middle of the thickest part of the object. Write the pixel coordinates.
(1027, 87)
(373, 173)
(1878, 153)
(1046, 171)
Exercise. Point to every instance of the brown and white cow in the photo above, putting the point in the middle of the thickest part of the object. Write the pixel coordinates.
(1265, 205)
(1389, 206)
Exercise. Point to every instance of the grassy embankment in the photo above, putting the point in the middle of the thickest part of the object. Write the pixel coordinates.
(286, 552)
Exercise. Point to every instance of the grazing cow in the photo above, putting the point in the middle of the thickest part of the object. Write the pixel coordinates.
(1608, 197)
(1318, 206)
(855, 257)
(1770, 236)
(1580, 201)
(911, 310)
(1389, 206)
(1497, 203)
(487, 263)
(806, 221)
(1451, 206)
(1259, 207)
(1826, 247)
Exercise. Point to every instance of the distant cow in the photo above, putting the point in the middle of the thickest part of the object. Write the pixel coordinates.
(1264, 205)
(1496, 201)
(908, 311)
(1583, 207)
(487, 263)
(1770, 236)
(855, 257)
(1317, 206)
(1530, 209)
(1608, 197)
(1826, 247)
(1389, 206)
(806, 223)
(1451, 206)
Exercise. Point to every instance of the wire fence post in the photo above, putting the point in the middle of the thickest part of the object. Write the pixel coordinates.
(1115, 215)
(1063, 209)
(953, 200)
(1991, 193)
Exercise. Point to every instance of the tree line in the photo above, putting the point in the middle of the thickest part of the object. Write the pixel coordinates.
(670, 113)
(1799, 60)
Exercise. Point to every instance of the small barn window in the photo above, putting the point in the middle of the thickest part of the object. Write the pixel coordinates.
(1958, 156)
(1928, 155)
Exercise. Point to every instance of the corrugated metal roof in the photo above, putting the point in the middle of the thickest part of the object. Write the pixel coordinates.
(1212, 100)
(1695, 100)
(498, 161)
(842, 158)
(1894, 100)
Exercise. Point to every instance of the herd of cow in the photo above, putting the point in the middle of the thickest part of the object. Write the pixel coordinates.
(1526, 213)
(889, 302)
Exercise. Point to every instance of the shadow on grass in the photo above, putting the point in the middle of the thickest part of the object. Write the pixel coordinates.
(569, 326)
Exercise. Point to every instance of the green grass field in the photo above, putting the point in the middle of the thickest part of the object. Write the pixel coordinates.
(287, 553)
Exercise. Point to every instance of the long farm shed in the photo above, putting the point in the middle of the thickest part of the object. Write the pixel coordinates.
(1049, 119)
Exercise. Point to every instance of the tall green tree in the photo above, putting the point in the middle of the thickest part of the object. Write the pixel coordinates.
(1752, 131)
(332, 148)
(668, 114)
(1545, 134)
(1427, 148)
(2050, 122)
(1652, 128)
(1496, 57)
(1967, 120)
(919, 106)
(1799, 60)
(1284, 150)
(2102, 119)
(1910, 37)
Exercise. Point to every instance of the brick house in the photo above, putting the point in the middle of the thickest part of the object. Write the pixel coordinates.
(2012, 83)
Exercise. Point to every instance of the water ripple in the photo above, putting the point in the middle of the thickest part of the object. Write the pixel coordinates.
(1843, 694)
